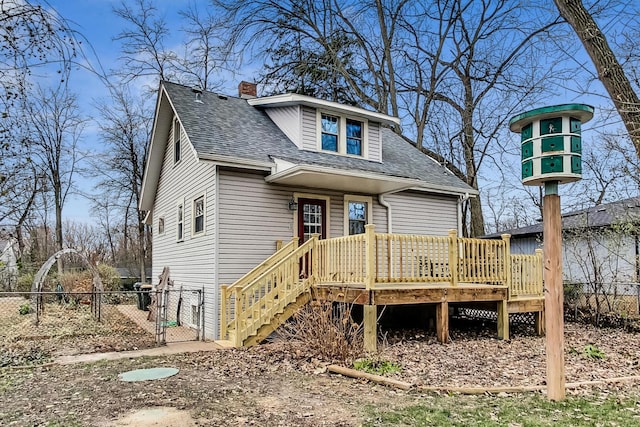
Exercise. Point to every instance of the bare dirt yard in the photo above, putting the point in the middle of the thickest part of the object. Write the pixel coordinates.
(281, 384)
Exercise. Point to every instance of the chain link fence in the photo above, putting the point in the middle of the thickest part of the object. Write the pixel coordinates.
(36, 327)
(609, 305)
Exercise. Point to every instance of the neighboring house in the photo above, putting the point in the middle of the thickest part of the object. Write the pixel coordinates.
(8, 265)
(228, 177)
(601, 246)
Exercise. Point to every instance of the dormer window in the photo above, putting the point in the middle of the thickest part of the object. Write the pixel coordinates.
(342, 135)
(354, 137)
(330, 132)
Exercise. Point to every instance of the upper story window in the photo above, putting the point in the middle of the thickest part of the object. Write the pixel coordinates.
(330, 132)
(180, 221)
(354, 137)
(342, 135)
(198, 215)
(161, 225)
(176, 141)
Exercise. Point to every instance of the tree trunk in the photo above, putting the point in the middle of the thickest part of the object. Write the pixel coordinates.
(610, 72)
(58, 197)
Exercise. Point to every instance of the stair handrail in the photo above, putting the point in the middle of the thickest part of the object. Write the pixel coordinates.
(260, 268)
(235, 292)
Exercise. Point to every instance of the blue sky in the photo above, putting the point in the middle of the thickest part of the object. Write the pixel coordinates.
(95, 20)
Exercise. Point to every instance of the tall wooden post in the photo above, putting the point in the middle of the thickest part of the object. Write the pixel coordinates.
(551, 141)
(554, 313)
(370, 310)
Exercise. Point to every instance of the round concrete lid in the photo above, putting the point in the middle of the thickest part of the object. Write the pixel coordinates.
(148, 374)
(582, 112)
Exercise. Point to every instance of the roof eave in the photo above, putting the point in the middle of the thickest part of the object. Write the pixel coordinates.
(288, 99)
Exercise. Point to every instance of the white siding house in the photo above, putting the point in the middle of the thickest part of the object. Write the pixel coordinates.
(600, 249)
(246, 173)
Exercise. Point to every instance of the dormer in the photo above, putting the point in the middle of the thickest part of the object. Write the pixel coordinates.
(328, 127)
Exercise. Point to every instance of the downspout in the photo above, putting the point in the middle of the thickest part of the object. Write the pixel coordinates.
(386, 204)
(461, 201)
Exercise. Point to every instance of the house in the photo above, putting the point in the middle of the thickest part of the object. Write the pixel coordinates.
(8, 264)
(601, 247)
(228, 179)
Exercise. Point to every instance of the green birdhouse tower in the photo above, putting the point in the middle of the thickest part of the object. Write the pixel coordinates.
(551, 142)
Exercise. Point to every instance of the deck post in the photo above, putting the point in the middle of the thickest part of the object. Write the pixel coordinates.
(370, 255)
(370, 328)
(454, 262)
(314, 264)
(442, 321)
(539, 322)
(506, 238)
(237, 309)
(553, 304)
(223, 312)
(503, 320)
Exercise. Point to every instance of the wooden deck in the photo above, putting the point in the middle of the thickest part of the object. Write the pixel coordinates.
(410, 293)
(377, 269)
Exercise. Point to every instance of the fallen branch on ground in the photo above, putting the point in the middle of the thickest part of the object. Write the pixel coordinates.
(348, 372)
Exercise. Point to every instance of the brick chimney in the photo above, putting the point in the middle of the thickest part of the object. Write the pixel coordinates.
(247, 90)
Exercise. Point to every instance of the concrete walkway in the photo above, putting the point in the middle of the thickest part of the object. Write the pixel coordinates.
(170, 348)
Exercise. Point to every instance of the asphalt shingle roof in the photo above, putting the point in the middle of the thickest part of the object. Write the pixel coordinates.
(622, 211)
(229, 126)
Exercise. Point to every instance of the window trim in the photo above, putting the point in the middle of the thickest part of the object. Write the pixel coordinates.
(177, 141)
(337, 134)
(342, 134)
(193, 215)
(162, 223)
(356, 198)
(179, 209)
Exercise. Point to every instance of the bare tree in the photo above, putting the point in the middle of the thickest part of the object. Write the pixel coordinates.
(453, 70)
(55, 127)
(143, 42)
(125, 126)
(610, 71)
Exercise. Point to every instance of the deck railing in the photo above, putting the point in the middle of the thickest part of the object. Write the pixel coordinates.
(526, 275)
(342, 259)
(411, 258)
(378, 258)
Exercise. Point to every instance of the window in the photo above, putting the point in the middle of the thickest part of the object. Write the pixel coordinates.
(357, 210)
(198, 215)
(161, 225)
(330, 133)
(176, 141)
(342, 135)
(180, 217)
(354, 137)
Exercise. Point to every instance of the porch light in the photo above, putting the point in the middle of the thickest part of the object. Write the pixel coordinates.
(293, 205)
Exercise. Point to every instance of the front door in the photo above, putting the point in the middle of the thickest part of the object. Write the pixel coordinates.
(312, 218)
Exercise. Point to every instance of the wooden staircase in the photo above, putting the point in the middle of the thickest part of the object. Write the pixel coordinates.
(263, 299)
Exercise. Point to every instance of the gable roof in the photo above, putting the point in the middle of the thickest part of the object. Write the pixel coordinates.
(621, 211)
(228, 128)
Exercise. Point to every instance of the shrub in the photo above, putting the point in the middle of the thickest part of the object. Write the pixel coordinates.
(110, 277)
(24, 309)
(326, 330)
(25, 281)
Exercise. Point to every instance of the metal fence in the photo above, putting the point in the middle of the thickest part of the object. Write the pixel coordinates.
(85, 322)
